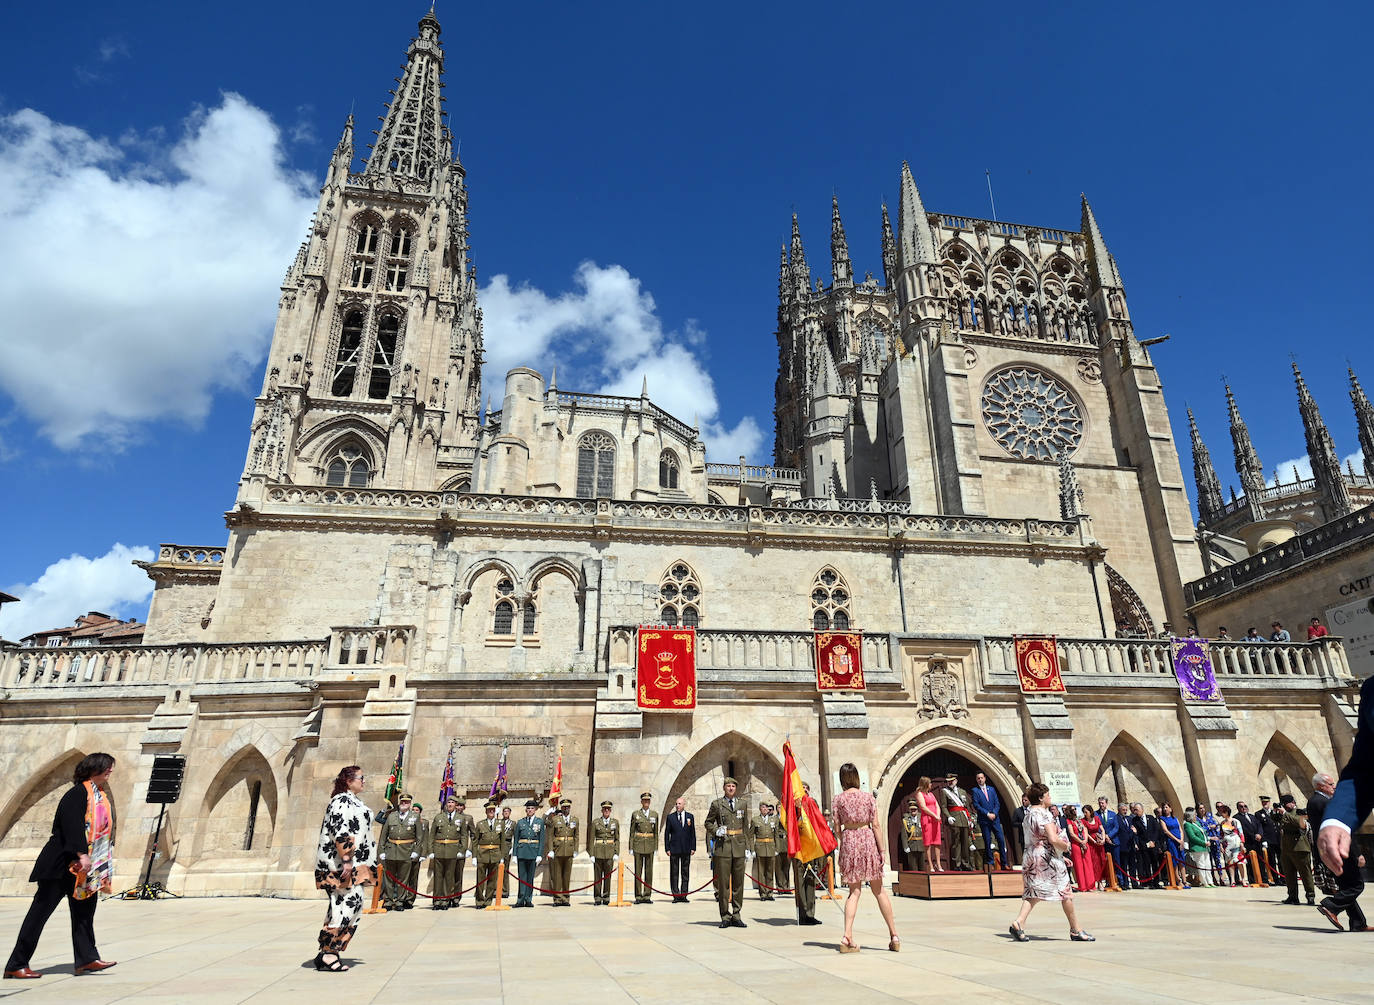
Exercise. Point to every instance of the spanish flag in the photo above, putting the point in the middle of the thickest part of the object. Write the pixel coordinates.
(556, 789)
(808, 835)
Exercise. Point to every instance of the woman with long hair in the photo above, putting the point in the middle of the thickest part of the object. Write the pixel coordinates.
(76, 864)
(861, 856)
(1043, 873)
(930, 824)
(345, 863)
(1097, 847)
(1079, 855)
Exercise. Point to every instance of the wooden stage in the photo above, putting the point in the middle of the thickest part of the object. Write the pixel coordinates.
(958, 885)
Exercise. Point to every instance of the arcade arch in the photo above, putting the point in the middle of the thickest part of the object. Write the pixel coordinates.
(1283, 769)
(239, 811)
(1129, 773)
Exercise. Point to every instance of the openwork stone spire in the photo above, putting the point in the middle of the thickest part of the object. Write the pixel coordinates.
(801, 275)
(889, 252)
(1248, 465)
(917, 247)
(841, 271)
(413, 141)
(1101, 265)
(1209, 500)
(1070, 493)
(1321, 451)
(1364, 421)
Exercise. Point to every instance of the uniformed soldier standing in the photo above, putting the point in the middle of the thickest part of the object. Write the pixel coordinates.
(401, 841)
(468, 833)
(725, 825)
(507, 847)
(489, 848)
(447, 842)
(913, 845)
(562, 838)
(956, 809)
(643, 843)
(1296, 856)
(605, 852)
(529, 850)
(766, 837)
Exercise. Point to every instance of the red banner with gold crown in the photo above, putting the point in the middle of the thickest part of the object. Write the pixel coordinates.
(666, 674)
(839, 661)
(1037, 664)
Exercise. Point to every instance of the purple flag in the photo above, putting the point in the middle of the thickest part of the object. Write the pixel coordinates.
(500, 784)
(1193, 668)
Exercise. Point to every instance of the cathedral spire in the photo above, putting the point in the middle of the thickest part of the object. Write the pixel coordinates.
(801, 275)
(841, 271)
(1248, 465)
(1321, 452)
(784, 277)
(889, 252)
(1364, 421)
(413, 142)
(1070, 492)
(1210, 504)
(916, 246)
(1101, 264)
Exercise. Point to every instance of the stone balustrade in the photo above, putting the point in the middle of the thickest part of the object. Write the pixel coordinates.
(189, 555)
(370, 645)
(1320, 661)
(25, 670)
(753, 650)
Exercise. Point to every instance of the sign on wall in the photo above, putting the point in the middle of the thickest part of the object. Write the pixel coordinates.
(1355, 623)
(1063, 787)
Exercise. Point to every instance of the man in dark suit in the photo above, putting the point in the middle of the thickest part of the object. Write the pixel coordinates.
(1130, 858)
(1149, 841)
(988, 809)
(1350, 804)
(1253, 834)
(1270, 816)
(1110, 829)
(680, 842)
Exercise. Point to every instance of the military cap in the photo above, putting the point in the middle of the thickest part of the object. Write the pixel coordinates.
(532, 802)
(605, 804)
(489, 805)
(416, 806)
(462, 800)
(729, 781)
(952, 774)
(912, 802)
(565, 801)
(451, 799)
(646, 795)
(404, 797)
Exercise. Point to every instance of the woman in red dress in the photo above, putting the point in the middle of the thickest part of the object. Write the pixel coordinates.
(1097, 847)
(1078, 850)
(930, 824)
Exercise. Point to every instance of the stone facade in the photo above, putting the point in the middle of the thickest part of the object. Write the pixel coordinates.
(974, 448)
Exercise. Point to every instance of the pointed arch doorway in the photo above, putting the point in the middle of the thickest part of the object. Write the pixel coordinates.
(936, 764)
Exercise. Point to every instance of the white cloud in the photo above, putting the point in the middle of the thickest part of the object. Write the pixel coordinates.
(137, 281)
(1303, 466)
(71, 586)
(605, 332)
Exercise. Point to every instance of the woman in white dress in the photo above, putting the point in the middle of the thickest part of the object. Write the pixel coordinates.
(345, 862)
(1043, 871)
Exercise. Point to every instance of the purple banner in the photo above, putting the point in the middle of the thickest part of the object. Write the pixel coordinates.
(1193, 668)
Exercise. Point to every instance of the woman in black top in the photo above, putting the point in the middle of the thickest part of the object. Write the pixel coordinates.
(66, 853)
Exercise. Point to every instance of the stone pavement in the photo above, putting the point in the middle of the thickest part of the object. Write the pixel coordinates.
(1197, 946)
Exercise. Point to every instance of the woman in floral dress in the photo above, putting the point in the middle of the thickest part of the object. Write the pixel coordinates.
(861, 856)
(1232, 846)
(1043, 872)
(345, 862)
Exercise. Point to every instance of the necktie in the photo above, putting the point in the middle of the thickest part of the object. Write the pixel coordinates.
(682, 820)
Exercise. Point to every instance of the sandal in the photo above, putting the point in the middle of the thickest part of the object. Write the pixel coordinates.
(337, 967)
(1081, 936)
(846, 946)
(894, 944)
(1018, 933)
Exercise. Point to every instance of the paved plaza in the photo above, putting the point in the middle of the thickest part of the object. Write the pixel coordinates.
(1197, 946)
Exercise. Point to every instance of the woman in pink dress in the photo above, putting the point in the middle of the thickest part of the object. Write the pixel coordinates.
(1078, 851)
(1097, 847)
(1043, 873)
(861, 856)
(930, 824)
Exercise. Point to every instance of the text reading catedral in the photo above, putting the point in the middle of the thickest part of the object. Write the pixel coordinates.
(972, 447)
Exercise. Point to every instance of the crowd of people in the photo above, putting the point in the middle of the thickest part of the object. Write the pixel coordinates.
(1277, 633)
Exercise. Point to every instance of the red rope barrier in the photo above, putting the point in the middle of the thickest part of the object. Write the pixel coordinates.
(665, 893)
(563, 893)
(451, 896)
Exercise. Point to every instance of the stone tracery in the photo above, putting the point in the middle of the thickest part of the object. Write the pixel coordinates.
(1031, 414)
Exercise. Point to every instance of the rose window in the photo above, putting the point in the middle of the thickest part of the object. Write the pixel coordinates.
(1031, 414)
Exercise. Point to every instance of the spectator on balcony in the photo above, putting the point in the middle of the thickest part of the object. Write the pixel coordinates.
(1279, 634)
(1316, 630)
(1253, 635)
(1222, 635)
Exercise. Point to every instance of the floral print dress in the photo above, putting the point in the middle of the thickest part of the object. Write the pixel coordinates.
(345, 841)
(1043, 873)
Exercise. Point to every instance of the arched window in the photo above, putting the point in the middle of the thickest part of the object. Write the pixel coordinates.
(529, 618)
(350, 348)
(830, 601)
(503, 617)
(667, 470)
(398, 259)
(364, 261)
(596, 466)
(349, 468)
(383, 356)
(679, 596)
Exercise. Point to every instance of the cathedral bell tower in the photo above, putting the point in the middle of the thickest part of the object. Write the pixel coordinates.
(374, 375)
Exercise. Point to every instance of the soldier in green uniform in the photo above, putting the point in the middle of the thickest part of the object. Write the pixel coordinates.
(804, 876)
(468, 827)
(1295, 858)
(401, 841)
(956, 813)
(562, 838)
(529, 851)
(913, 845)
(605, 852)
(643, 844)
(489, 847)
(447, 842)
(725, 825)
(978, 855)
(766, 837)
(508, 847)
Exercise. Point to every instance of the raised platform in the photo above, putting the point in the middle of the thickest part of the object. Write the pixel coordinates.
(958, 885)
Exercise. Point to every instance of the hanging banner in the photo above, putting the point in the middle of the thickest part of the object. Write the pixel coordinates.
(1037, 664)
(666, 676)
(1193, 668)
(839, 661)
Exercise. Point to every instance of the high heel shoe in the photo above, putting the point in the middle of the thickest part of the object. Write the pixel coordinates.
(894, 944)
(1018, 933)
(337, 967)
(1081, 936)
(846, 946)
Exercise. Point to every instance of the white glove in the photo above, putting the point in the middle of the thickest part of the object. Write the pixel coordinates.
(748, 854)
(430, 855)
(381, 858)
(574, 825)
(720, 832)
(415, 854)
(538, 859)
(615, 858)
(467, 854)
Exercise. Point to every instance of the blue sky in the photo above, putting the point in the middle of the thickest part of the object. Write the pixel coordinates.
(1226, 152)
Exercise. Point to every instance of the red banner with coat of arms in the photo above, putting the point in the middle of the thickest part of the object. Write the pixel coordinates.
(1037, 664)
(666, 674)
(839, 661)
